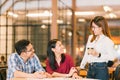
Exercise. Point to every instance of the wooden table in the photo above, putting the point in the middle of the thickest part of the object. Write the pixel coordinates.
(57, 78)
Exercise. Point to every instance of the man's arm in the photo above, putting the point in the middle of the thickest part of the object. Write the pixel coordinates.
(32, 75)
(21, 74)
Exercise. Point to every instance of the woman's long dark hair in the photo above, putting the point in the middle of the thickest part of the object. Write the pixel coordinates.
(100, 21)
(51, 54)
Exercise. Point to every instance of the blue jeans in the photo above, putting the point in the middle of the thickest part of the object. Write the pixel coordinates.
(98, 70)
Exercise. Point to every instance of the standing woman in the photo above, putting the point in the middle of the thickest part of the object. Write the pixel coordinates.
(58, 63)
(99, 50)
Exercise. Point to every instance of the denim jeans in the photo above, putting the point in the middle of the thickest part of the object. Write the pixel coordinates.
(98, 70)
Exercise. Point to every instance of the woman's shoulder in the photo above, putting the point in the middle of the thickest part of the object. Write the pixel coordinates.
(107, 40)
(90, 37)
(68, 56)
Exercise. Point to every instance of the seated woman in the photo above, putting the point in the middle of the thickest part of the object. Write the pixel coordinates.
(58, 63)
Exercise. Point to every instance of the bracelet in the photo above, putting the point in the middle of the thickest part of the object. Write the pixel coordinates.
(99, 55)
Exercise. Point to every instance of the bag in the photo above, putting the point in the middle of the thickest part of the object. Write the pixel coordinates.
(117, 73)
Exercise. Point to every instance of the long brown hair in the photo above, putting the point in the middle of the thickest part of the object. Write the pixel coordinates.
(100, 21)
(51, 54)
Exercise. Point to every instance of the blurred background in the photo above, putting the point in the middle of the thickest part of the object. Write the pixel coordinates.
(42, 20)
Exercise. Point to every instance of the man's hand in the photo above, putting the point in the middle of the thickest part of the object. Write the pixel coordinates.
(39, 75)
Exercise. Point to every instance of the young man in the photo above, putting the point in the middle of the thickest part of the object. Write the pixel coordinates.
(24, 63)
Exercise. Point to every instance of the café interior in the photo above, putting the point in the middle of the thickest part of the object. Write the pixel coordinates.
(42, 20)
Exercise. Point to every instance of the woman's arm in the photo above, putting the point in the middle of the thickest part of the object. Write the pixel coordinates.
(70, 74)
(32, 75)
(76, 76)
(56, 74)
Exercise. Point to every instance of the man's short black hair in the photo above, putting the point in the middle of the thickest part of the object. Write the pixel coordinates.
(20, 45)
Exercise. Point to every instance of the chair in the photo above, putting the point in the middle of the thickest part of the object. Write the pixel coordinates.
(2, 74)
(111, 72)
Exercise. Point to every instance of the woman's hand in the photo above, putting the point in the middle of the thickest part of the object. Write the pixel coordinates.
(48, 75)
(72, 70)
(76, 76)
(93, 52)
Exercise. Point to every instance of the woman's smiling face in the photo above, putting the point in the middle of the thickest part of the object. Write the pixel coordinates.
(59, 48)
(96, 29)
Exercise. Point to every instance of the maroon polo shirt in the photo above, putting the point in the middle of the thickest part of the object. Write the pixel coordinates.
(63, 68)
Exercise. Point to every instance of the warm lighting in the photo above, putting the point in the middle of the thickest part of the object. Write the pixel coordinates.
(110, 15)
(60, 21)
(69, 13)
(12, 14)
(107, 9)
(85, 13)
(46, 21)
(64, 50)
(82, 48)
(117, 48)
(43, 26)
(70, 34)
(77, 51)
(68, 22)
(81, 13)
(109, 12)
(50, 21)
(63, 31)
(81, 20)
(44, 14)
